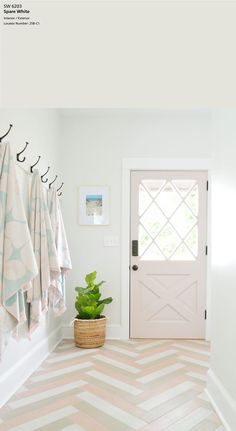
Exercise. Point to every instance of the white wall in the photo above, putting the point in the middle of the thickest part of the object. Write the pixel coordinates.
(222, 375)
(95, 142)
(41, 129)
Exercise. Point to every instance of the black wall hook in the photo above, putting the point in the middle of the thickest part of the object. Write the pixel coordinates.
(59, 194)
(46, 179)
(18, 154)
(2, 137)
(31, 167)
(52, 181)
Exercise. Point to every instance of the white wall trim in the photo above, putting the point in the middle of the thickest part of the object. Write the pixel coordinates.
(222, 401)
(16, 376)
(133, 164)
(113, 332)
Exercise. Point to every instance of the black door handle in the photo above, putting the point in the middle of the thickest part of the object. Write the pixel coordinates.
(135, 267)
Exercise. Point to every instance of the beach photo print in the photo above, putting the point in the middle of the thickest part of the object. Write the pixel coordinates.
(93, 205)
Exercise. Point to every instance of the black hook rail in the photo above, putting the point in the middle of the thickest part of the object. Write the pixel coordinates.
(2, 137)
(59, 194)
(46, 179)
(18, 154)
(52, 181)
(31, 167)
(18, 158)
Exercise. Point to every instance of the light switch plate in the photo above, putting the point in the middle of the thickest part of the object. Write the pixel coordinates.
(111, 241)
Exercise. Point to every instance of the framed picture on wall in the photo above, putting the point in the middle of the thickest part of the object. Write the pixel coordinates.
(93, 205)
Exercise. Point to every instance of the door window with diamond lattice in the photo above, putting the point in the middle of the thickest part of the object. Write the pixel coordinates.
(168, 219)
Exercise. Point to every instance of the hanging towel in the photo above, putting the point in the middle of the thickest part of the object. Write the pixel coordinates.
(18, 266)
(57, 289)
(45, 252)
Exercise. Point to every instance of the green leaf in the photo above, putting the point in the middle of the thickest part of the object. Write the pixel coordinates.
(89, 309)
(83, 315)
(79, 289)
(99, 284)
(90, 278)
(98, 310)
(83, 300)
(77, 306)
(95, 297)
(106, 300)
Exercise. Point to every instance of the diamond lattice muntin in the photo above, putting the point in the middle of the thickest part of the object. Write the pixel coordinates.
(168, 220)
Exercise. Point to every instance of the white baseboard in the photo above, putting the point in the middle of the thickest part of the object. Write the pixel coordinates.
(222, 401)
(114, 332)
(16, 376)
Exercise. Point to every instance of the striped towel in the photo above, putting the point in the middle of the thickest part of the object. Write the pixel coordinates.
(45, 252)
(57, 289)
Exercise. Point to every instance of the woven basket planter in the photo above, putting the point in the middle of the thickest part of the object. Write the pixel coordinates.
(90, 333)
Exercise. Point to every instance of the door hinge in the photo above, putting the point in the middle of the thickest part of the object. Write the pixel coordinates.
(207, 185)
(206, 250)
(205, 314)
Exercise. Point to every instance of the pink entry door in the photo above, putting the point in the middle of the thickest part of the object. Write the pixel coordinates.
(168, 254)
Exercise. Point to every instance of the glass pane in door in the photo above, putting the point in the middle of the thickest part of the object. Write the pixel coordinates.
(168, 220)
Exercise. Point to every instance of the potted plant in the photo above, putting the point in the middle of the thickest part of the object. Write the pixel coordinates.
(90, 324)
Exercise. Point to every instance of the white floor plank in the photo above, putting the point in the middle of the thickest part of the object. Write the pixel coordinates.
(203, 396)
(191, 420)
(74, 427)
(163, 372)
(46, 420)
(130, 389)
(194, 361)
(156, 357)
(74, 355)
(117, 364)
(191, 349)
(125, 352)
(60, 372)
(147, 346)
(45, 394)
(198, 376)
(65, 347)
(155, 401)
(113, 411)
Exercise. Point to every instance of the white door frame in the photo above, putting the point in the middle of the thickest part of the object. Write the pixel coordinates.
(143, 164)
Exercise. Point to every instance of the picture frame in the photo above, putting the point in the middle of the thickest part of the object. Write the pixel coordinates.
(93, 205)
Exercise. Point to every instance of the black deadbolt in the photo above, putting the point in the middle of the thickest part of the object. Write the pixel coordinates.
(135, 267)
(135, 247)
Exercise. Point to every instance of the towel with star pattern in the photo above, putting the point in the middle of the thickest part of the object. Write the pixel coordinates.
(18, 265)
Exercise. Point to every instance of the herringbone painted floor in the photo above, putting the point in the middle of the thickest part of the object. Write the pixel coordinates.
(142, 385)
